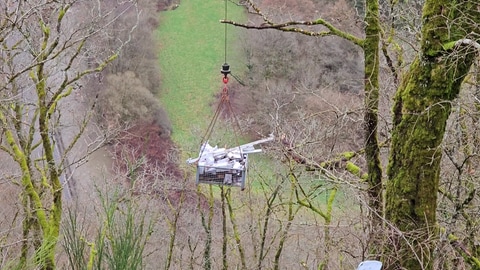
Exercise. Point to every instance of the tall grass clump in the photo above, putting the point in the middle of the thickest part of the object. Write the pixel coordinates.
(119, 242)
(123, 236)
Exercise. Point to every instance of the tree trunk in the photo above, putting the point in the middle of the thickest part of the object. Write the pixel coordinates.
(422, 107)
(372, 151)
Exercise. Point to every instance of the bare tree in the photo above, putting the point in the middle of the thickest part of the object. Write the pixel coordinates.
(446, 50)
(44, 51)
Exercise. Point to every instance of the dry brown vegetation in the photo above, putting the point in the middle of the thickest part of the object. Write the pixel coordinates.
(309, 92)
(309, 89)
(283, 89)
(126, 93)
(285, 93)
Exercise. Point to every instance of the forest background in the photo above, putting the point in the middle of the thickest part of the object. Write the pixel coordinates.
(130, 203)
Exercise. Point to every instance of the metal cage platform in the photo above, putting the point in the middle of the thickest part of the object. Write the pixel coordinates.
(214, 175)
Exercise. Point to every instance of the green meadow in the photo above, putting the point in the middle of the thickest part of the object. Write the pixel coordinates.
(192, 51)
(191, 54)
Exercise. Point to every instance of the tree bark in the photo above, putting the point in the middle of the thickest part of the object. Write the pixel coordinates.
(420, 113)
(372, 150)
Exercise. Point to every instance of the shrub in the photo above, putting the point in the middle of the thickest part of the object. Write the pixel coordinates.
(126, 100)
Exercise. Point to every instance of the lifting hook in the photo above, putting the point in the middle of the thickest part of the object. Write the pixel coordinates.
(225, 71)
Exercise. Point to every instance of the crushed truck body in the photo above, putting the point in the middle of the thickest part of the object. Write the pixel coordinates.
(224, 166)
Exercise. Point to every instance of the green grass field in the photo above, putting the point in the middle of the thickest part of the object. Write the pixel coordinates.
(192, 51)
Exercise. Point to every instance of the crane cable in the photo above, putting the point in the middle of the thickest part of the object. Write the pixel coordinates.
(225, 100)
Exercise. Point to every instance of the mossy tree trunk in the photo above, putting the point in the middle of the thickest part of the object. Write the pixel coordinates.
(372, 150)
(40, 52)
(422, 107)
(370, 47)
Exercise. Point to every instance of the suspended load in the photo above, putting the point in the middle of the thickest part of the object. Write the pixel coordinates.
(222, 166)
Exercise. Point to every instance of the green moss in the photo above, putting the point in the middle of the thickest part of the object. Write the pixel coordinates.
(349, 155)
(371, 99)
(352, 168)
(449, 45)
(422, 107)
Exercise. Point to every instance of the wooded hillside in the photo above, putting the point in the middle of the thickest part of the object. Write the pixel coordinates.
(373, 104)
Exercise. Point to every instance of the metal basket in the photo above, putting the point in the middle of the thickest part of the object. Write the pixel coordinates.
(213, 175)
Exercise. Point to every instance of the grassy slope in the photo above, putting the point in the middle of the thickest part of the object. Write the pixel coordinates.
(191, 54)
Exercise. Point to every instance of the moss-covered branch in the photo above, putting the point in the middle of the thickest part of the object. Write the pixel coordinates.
(236, 233)
(341, 161)
(464, 41)
(288, 26)
(464, 252)
(27, 183)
